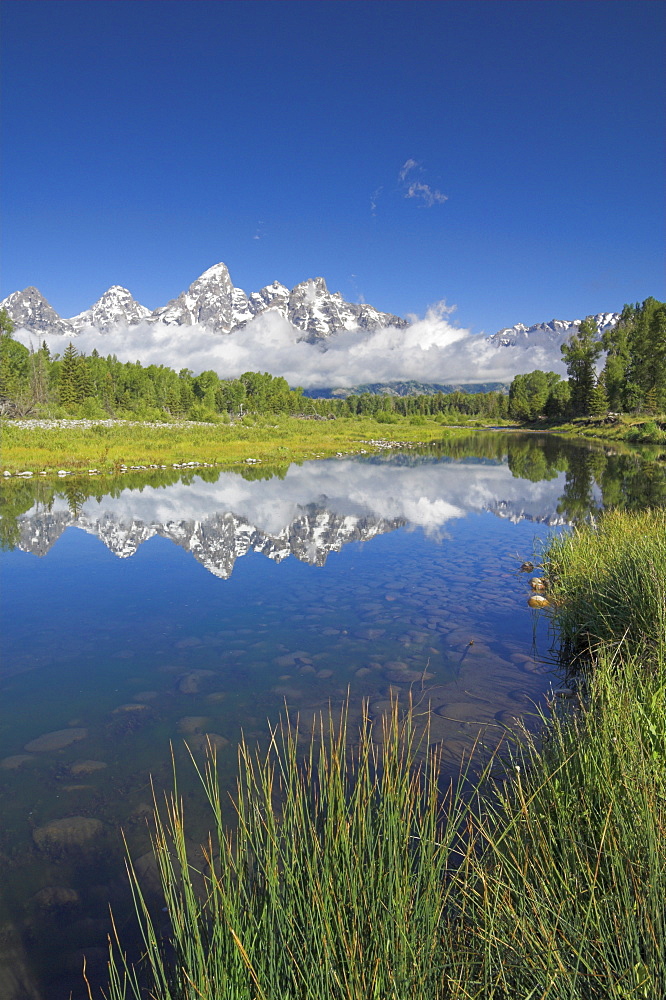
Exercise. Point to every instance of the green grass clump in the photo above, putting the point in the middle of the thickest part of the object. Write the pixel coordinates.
(567, 890)
(608, 583)
(334, 883)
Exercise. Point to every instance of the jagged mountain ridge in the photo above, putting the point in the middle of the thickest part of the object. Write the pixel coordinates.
(216, 541)
(211, 301)
(556, 331)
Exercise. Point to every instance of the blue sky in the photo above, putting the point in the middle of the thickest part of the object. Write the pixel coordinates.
(145, 141)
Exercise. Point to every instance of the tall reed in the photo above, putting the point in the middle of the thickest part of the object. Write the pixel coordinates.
(608, 583)
(334, 884)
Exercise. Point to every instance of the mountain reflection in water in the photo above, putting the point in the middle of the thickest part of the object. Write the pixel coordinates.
(311, 510)
(109, 661)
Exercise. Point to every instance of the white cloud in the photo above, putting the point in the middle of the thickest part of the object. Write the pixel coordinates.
(374, 198)
(406, 167)
(419, 189)
(431, 349)
(429, 196)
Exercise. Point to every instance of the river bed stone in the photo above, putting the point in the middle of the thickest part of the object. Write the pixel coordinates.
(57, 740)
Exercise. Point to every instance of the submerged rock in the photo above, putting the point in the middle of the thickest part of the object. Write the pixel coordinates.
(57, 740)
(202, 741)
(86, 766)
(14, 762)
(191, 682)
(73, 833)
(56, 897)
(192, 723)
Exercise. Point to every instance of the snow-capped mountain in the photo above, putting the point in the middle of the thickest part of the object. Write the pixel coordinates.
(209, 301)
(117, 307)
(30, 310)
(555, 332)
(212, 301)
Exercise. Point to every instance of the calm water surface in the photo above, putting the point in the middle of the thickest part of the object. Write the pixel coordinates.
(157, 610)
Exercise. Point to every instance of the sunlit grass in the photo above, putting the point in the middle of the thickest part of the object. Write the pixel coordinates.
(274, 439)
(608, 583)
(333, 884)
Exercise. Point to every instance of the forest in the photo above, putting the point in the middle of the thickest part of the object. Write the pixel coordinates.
(632, 380)
(72, 384)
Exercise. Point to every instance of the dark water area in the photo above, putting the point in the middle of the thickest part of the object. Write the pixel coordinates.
(142, 613)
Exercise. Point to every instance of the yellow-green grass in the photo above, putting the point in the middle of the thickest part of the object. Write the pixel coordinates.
(277, 440)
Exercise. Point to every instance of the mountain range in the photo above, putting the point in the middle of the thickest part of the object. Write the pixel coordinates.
(212, 301)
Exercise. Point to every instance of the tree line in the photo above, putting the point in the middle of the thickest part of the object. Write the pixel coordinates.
(37, 382)
(632, 380)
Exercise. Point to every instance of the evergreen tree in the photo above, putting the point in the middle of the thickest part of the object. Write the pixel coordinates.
(69, 390)
(598, 400)
(616, 344)
(580, 352)
(6, 324)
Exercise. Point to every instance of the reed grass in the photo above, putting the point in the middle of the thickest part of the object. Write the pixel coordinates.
(334, 884)
(349, 873)
(608, 583)
(567, 888)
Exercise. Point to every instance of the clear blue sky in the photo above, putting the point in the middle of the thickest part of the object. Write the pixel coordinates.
(145, 141)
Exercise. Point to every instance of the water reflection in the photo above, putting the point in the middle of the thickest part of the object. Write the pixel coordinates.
(311, 510)
(404, 577)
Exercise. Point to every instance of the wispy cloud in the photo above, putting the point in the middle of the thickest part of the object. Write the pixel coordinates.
(374, 198)
(406, 167)
(429, 196)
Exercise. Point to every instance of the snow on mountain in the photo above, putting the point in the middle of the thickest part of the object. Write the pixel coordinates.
(117, 307)
(211, 301)
(556, 331)
(275, 296)
(29, 309)
(316, 315)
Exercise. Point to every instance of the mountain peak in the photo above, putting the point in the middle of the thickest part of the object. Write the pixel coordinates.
(116, 307)
(213, 272)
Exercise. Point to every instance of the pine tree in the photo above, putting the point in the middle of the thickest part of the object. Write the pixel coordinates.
(598, 400)
(68, 386)
(580, 352)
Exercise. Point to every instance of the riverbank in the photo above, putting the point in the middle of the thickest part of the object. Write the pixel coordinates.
(548, 881)
(609, 427)
(108, 446)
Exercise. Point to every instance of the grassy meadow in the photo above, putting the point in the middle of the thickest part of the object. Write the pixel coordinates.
(344, 870)
(276, 439)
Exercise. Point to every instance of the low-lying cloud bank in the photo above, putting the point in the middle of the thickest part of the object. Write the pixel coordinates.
(429, 350)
